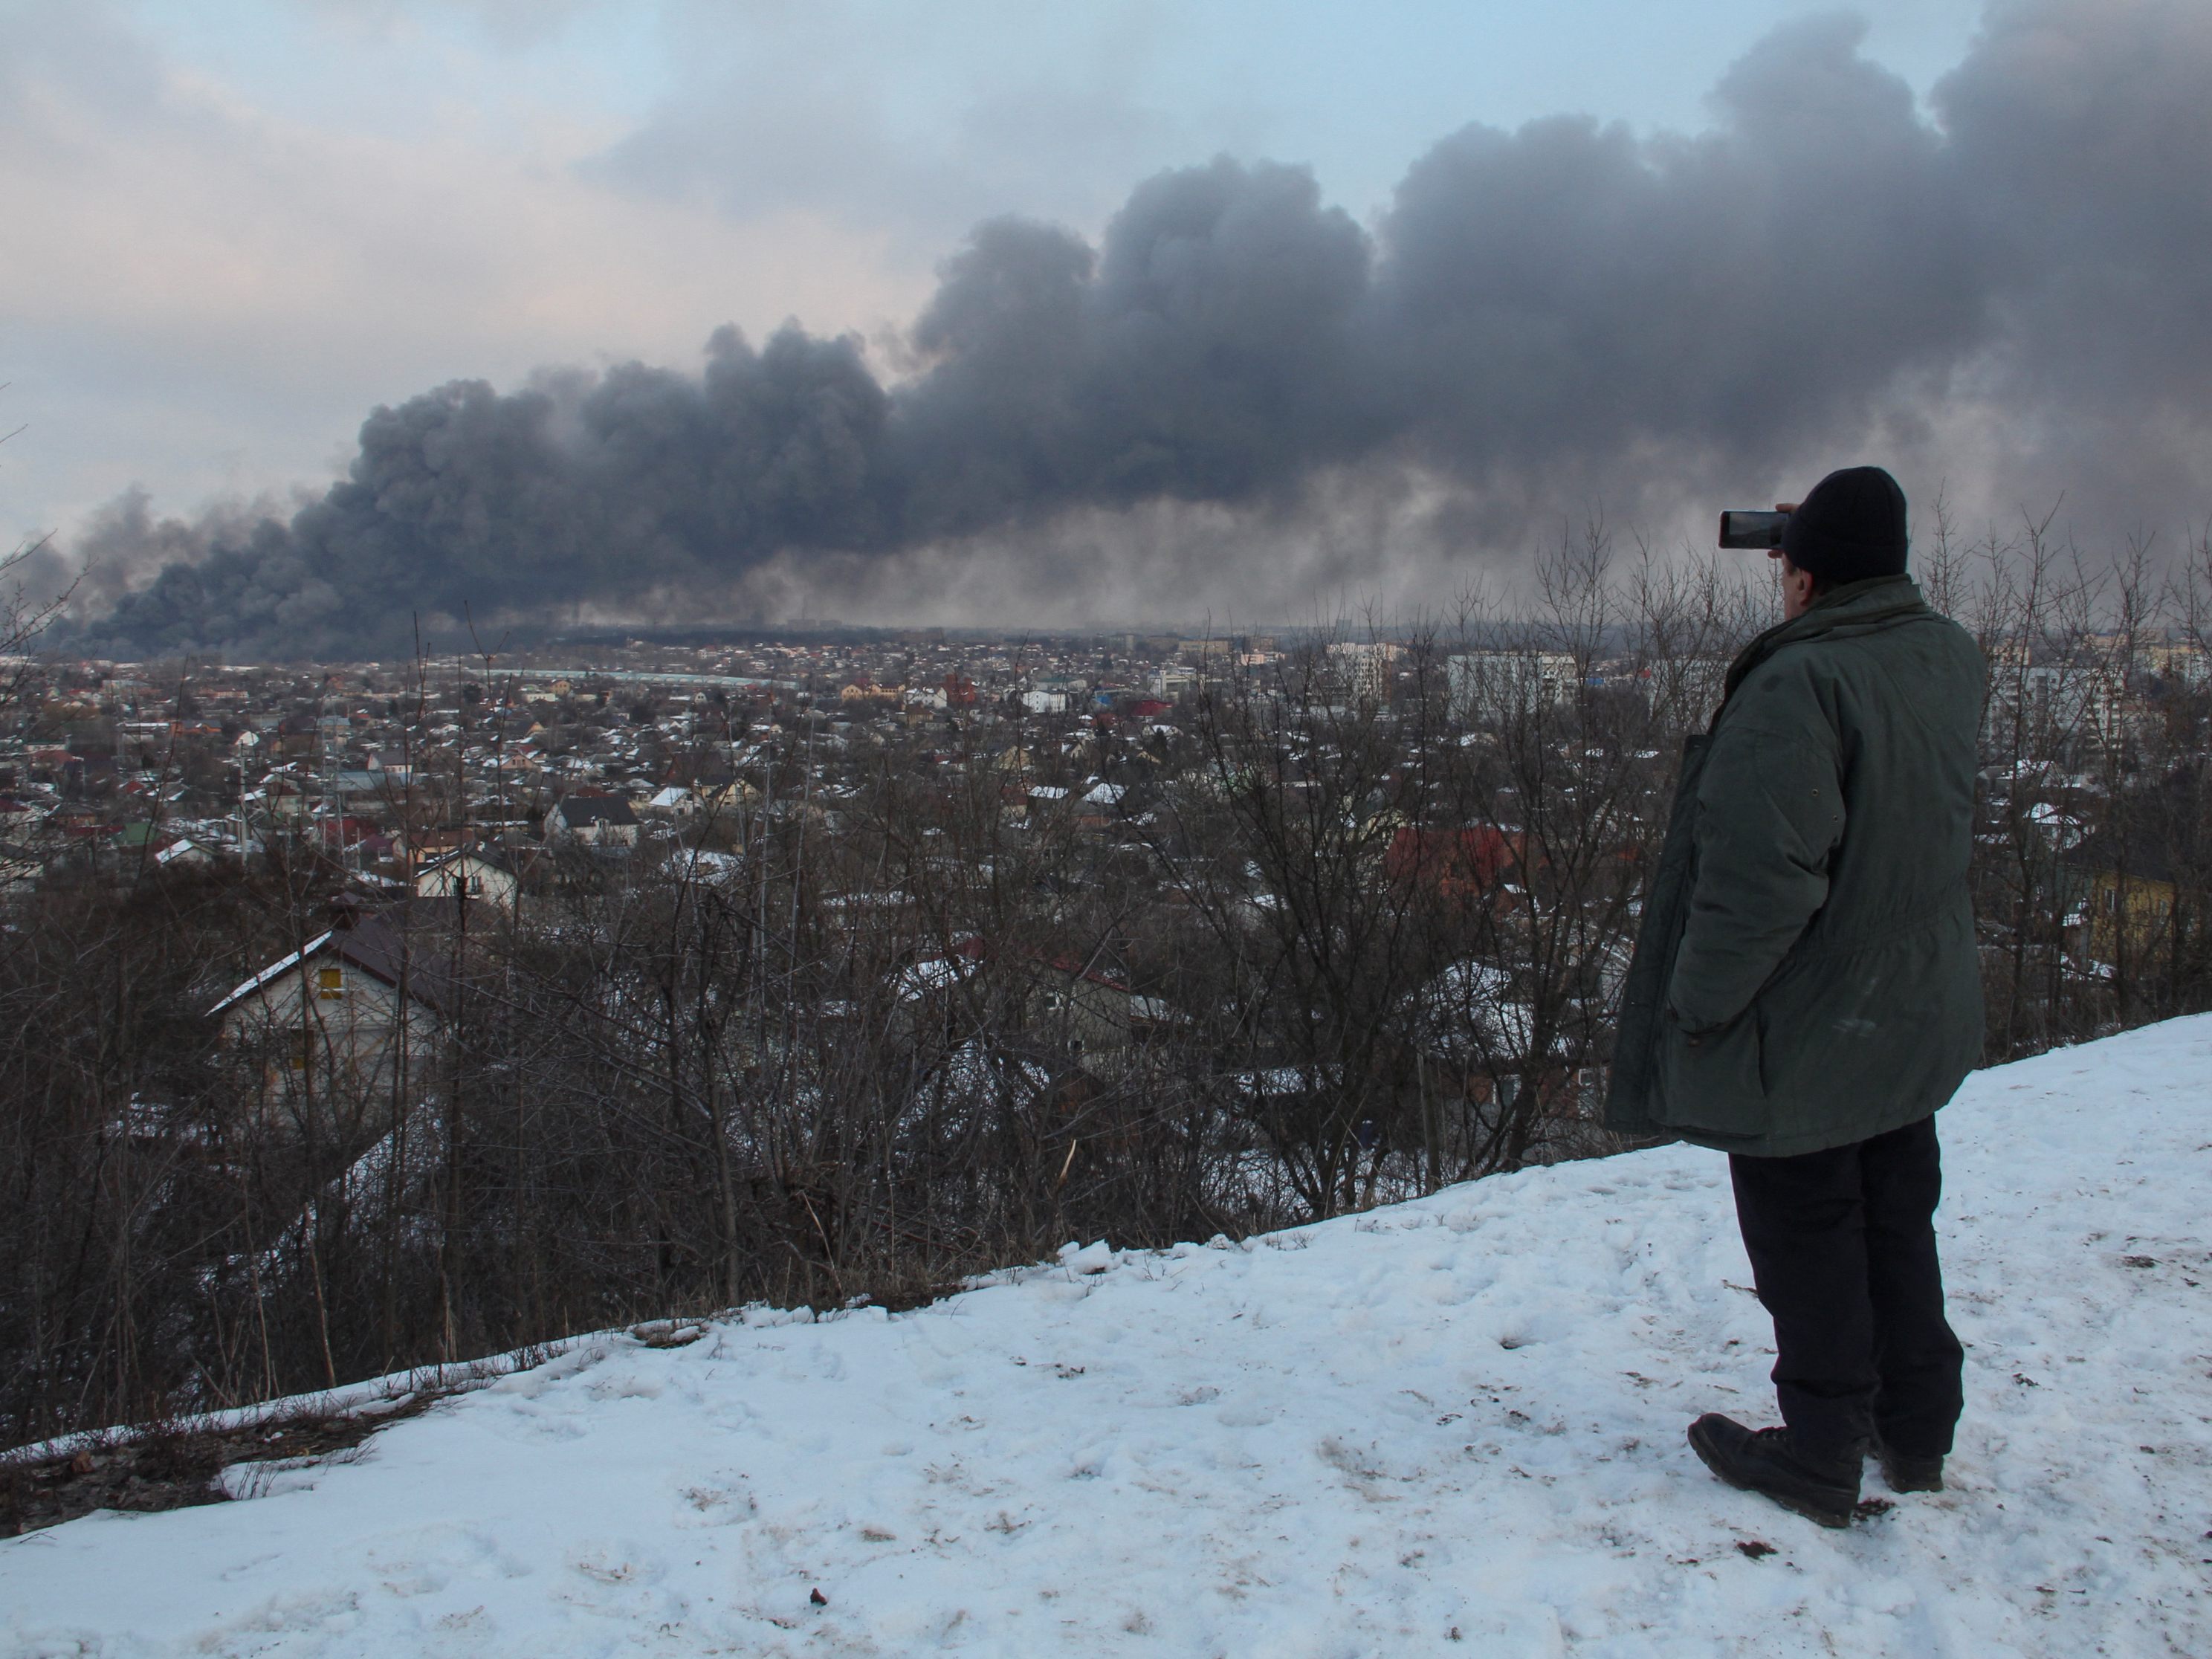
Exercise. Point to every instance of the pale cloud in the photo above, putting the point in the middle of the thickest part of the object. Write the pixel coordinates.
(507, 23)
(919, 120)
(253, 283)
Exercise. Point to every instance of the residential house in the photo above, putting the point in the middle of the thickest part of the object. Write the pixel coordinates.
(1462, 863)
(1082, 1009)
(285, 796)
(299, 736)
(336, 1025)
(592, 821)
(185, 852)
(470, 873)
(2136, 893)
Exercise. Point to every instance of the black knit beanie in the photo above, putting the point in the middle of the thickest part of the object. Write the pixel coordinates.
(1850, 527)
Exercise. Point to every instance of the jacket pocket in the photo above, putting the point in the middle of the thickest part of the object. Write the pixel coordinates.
(1709, 1082)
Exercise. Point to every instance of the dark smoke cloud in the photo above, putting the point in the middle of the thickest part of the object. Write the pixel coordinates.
(1568, 291)
(2084, 133)
(1210, 352)
(1540, 317)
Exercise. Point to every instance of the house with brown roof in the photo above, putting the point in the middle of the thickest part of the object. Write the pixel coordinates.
(356, 1013)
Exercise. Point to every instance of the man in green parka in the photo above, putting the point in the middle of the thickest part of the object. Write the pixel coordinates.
(1805, 993)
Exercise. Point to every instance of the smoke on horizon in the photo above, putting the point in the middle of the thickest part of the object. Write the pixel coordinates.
(1239, 382)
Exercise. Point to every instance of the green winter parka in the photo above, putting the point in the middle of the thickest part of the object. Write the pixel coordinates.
(1806, 973)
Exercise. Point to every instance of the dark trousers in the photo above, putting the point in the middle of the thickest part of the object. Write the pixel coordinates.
(1843, 1251)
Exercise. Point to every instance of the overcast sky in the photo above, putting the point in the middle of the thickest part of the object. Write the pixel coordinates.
(235, 227)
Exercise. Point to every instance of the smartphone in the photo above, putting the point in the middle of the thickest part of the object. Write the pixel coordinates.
(1759, 530)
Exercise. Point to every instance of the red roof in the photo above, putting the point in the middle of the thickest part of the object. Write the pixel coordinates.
(1452, 861)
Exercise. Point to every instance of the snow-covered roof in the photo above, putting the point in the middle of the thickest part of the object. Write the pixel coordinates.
(272, 971)
(395, 945)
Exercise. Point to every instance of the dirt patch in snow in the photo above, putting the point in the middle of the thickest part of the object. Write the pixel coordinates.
(166, 1468)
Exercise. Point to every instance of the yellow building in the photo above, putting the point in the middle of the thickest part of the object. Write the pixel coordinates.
(2130, 897)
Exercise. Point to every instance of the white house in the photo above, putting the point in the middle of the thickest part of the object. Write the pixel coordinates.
(183, 851)
(468, 873)
(673, 801)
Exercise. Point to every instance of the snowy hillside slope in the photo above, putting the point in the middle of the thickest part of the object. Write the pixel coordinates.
(1451, 1427)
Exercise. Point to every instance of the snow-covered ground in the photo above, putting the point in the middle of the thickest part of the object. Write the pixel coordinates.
(1451, 1427)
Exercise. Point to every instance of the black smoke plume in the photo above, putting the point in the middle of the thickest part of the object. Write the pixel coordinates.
(1539, 315)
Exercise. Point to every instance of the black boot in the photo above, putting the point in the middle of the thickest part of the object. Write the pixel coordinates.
(1906, 1472)
(1820, 1487)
